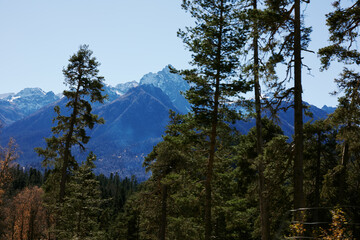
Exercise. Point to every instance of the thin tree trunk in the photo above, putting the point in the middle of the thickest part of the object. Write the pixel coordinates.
(213, 134)
(343, 173)
(163, 221)
(345, 155)
(317, 178)
(67, 151)
(299, 200)
(263, 203)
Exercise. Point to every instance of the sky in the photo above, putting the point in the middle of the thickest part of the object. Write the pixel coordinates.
(128, 37)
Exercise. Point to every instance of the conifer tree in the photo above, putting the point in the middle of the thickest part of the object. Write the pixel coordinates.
(287, 24)
(215, 42)
(81, 75)
(165, 158)
(255, 16)
(320, 156)
(81, 208)
(344, 25)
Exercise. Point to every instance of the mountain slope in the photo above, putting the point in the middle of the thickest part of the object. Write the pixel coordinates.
(134, 124)
(30, 100)
(135, 121)
(171, 84)
(14, 107)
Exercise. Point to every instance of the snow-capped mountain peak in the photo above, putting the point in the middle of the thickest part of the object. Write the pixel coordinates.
(26, 92)
(29, 100)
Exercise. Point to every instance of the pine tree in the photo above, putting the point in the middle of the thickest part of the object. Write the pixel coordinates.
(287, 24)
(215, 42)
(321, 157)
(166, 157)
(81, 75)
(277, 175)
(344, 24)
(81, 207)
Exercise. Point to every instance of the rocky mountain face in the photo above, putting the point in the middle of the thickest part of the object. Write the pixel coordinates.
(328, 109)
(135, 119)
(171, 84)
(8, 113)
(13, 107)
(135, 122)
(122, 88)
(30, 100)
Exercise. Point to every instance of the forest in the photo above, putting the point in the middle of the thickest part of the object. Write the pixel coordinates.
(208, 180)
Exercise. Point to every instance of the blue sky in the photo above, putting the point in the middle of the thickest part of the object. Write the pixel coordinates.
(129, 38)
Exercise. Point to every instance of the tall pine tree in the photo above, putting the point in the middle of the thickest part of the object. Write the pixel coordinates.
(287, 25)
(215, 42)
(81, 75)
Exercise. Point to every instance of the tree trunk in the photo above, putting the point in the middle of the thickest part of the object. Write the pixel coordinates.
(317, 178)
(213, 134)
(163, 219)
(299, 200)
(263, 203)
(67, 150)
(343, 173)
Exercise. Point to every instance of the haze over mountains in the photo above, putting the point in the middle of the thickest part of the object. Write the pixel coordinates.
(135, 114)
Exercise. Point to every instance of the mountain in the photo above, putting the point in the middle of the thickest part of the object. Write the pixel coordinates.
(285, 119)
(30, 100)
(8, 113)
(122, 88)
(328, 109)
(14, 107)
(135, 122)
(4, 95)
(171, 84)
(135, 119)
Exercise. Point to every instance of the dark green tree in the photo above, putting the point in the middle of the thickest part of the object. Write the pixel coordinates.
(344, 25)
(85, 86)
(167, 157)
(81, 208)
(288, 38)
(320, 157)
(215, 42)
(256, 69)
(276, 158)
(172, 163)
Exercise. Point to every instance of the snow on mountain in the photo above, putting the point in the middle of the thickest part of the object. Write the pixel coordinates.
(135, 118)
(30, 92)
(29, 100)
(171, 84)
(122, 88)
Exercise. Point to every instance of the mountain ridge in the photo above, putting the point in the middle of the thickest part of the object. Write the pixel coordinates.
(135, 122)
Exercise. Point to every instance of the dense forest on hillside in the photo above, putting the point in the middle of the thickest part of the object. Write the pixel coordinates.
(207, 180)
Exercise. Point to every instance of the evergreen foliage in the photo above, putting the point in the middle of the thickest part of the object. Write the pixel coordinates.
(81, 207)
(215, 42)
(81, 75)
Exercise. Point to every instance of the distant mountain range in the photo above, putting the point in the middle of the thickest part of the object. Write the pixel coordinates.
(136, 115)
